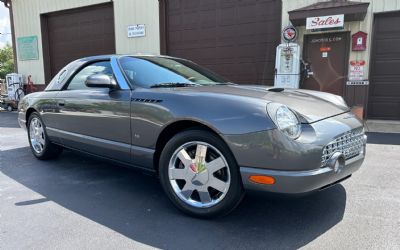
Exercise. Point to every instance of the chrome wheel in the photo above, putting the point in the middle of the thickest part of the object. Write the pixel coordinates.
(199, 174)
(36, 135)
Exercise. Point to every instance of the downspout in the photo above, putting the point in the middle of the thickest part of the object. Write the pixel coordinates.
(8, 4)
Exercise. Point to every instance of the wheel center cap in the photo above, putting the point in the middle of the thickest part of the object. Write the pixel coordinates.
(200, 179)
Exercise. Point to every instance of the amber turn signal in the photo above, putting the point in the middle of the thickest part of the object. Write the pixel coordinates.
(262, 179)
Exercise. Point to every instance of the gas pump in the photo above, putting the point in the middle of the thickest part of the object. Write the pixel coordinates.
(287, 66)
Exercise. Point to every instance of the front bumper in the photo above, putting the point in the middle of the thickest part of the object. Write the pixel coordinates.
(22, 120)
(294, 182)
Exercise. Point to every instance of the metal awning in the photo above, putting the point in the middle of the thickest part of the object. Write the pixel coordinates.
(353, 11)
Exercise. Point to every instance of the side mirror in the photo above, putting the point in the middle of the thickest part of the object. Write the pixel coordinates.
(100, 81)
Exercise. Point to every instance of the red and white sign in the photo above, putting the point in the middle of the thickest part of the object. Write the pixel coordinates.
(324, 22)
(359, 41)
(289, 34)
(356, 70)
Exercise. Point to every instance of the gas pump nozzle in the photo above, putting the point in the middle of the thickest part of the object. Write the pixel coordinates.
(307, 71)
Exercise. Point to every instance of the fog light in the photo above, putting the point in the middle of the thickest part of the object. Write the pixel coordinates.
(336, 162)
(262, 179)
(336, 167)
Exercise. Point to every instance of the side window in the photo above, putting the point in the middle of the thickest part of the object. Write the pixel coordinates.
(78, 81)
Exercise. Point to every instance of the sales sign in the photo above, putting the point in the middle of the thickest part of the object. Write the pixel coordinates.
(325, 22)
(138, 30)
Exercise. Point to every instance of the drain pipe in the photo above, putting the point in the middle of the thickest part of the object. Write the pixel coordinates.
(8, 4)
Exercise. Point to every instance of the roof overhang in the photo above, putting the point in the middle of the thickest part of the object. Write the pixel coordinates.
(353, 11)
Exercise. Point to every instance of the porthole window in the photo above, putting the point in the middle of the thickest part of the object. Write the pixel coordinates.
(62, 76)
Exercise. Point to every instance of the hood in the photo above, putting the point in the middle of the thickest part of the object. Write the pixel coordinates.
(34, 94)
(310, 105)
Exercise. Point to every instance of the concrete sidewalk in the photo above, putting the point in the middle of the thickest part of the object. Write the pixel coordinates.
(382, 126)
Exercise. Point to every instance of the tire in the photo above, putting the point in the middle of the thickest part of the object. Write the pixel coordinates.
(9, 108)
(187, 185)
(40, 140)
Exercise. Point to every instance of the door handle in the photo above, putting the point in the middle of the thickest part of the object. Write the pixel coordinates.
(61, 103)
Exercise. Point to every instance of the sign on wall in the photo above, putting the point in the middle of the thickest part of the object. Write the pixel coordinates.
(28, 48)
(138, 30)
(357, 83)
(325, 22)
(359, 41)
(356, 72)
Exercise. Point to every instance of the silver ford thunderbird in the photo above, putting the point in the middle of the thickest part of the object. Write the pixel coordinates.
(207, 139)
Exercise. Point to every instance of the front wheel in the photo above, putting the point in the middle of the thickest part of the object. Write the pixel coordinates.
(200, 175)
(39, 142)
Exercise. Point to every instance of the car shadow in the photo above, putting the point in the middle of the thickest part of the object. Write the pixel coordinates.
(134, 205)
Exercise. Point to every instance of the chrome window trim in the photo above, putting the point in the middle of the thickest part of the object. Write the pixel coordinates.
(119, 75)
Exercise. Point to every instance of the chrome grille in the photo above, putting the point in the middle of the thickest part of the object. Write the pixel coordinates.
(350, 144)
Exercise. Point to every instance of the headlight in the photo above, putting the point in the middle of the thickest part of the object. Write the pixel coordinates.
(285, 119)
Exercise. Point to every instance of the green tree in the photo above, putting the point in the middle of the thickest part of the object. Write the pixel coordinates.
(6, 61)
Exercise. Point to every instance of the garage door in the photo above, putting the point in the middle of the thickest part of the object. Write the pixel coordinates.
(234, 38)
(384, 91)
(78, 33)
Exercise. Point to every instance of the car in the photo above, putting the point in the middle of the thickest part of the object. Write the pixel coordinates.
(207, 139)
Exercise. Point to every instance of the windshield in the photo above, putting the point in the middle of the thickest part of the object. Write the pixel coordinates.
(148, 72)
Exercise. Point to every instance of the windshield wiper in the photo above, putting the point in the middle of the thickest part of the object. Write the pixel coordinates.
(173, 85)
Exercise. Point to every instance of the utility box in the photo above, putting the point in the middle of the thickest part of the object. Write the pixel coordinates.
(15, 86)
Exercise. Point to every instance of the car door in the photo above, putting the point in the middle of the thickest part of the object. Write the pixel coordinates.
(48, 105)
(95, 120)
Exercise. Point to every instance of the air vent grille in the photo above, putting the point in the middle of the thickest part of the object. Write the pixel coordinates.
(350, 144)
(146, 100)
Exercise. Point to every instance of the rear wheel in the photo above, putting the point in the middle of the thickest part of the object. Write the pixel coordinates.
(200, 175)
(40, 145)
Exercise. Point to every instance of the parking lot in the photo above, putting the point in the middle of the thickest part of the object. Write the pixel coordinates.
(81, 202)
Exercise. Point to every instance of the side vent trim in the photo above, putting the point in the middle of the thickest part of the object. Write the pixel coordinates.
(146, 100)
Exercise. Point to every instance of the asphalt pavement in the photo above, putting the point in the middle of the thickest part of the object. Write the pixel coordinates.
(78, 202)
